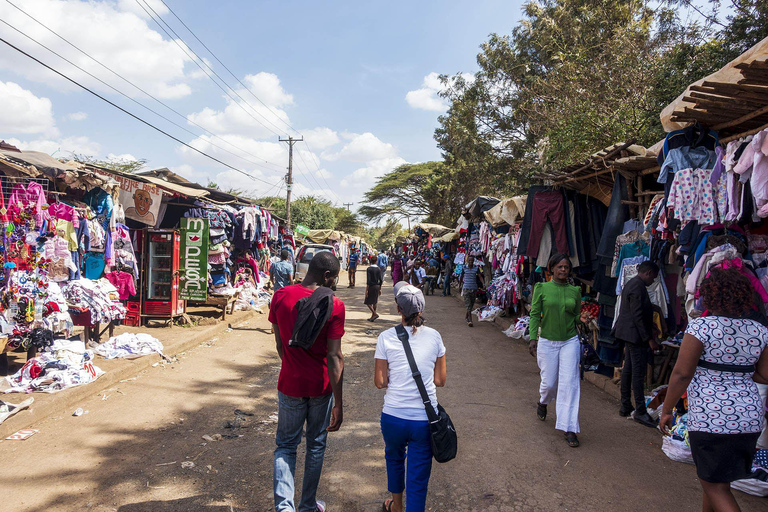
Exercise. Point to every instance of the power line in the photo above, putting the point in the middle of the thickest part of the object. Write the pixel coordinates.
(130, 113)
(320, 187)
(157, 19)
(314, 159)
(228, 70)
(140, 89)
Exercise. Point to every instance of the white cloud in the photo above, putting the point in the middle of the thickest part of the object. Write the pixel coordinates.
(126, 157)
(323, 173)
(111, 32)
(362, 148)
(23, 112)
(131, 6)
(253, 154)
(266, 86)
(321, 138)
(63, 147)
(427, 97)
(250, 117)
(77, 116)
(375, 169)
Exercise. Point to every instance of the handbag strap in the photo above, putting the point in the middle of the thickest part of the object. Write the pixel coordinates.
(403, 335)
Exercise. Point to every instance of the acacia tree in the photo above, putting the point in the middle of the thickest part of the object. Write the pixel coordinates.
(400, 193)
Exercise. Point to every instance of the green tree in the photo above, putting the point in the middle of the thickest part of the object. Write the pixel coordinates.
(313, 212)
(430, 191)
(115, 164)
(274, 204)
(384, 237)
(348, 222)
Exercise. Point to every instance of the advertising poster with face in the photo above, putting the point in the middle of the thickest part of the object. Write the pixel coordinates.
(141, 201)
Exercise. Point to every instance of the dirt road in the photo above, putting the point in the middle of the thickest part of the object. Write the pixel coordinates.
(126, 454)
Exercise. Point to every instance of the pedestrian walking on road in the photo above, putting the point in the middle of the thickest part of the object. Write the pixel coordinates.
(281, 273)
(634, 328)
(722, 357)
(404, 422)
(374, 280)
(417, 274)
(398, 268)
(382, 262)
(472, 280)
(354, 259)
(447, 274)
(556, 308)
(309, 323)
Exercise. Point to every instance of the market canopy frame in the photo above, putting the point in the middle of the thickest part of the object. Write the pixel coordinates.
(732, 101)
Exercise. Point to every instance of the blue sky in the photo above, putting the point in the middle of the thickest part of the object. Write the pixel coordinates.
(356, 78)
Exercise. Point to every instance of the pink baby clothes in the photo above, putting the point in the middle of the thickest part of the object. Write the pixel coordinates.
(692, 196)
(123, 281)
(33, 194)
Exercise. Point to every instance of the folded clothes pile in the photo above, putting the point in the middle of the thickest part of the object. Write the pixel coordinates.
(129, 345)
(63, 365)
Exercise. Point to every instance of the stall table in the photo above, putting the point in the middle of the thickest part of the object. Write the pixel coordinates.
(225, 302)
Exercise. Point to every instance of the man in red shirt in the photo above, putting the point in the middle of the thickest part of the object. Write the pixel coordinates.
(309, 387)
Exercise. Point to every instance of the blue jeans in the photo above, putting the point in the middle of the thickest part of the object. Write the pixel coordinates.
(292, 414)
(411, 436)
(446, 284)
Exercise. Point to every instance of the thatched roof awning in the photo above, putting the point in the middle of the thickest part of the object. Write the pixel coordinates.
(732, 101)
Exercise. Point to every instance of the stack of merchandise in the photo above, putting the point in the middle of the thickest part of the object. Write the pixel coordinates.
(62, 365)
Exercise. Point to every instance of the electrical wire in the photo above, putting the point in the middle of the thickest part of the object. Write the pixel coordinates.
(310, 173)
(138, 102)
(130, 113)
(308, 170)
(228, 70)
(157, 19)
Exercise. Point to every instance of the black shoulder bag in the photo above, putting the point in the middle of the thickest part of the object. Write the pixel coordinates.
(443, 434)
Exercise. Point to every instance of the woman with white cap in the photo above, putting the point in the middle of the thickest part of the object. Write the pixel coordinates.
(404, 422)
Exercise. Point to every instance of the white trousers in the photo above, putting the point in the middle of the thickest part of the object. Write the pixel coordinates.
(560, 380)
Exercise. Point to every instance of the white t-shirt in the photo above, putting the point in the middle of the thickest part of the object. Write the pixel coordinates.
(402, 399)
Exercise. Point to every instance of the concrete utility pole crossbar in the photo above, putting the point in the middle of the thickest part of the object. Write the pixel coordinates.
(289, 177)
(348, 205)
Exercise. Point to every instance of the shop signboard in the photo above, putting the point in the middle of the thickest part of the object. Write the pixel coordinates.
(301, 230)
(141, 201)
(193, 281)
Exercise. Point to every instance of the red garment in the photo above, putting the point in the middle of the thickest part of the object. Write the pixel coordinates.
(253, 264)
(123, 281)
(304, 372)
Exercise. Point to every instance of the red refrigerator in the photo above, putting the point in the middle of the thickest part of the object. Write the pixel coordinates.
(161, 290)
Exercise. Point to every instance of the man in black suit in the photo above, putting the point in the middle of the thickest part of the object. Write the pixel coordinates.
(635, 328)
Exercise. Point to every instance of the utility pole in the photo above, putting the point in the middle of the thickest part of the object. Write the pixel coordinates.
(289, 177)
(348, 205)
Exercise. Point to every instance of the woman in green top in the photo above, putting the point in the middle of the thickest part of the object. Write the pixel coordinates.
(555, 310)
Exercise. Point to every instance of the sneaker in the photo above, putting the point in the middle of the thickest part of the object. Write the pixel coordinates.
(541, 411)
(645, 419)
(320, 506)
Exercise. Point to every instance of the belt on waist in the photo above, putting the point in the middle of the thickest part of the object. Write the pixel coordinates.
(738, 368)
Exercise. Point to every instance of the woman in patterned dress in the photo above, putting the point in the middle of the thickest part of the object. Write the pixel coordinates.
(722, 356)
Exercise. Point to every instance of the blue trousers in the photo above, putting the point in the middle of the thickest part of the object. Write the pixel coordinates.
(408, 439)
(292, 414)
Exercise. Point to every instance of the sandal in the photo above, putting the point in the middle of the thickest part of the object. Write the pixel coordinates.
(571, 439)
(541, 411)
(387, 505)
(470, 324)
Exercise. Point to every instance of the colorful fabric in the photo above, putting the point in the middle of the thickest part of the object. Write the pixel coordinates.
(721, 402)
